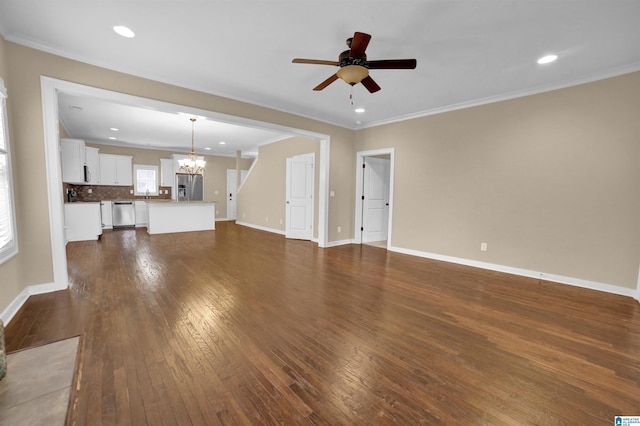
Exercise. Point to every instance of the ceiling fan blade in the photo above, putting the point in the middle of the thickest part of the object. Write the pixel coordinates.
(393, 64)
(371, 85)
(326, 82)
(359, 45)
(314, 61)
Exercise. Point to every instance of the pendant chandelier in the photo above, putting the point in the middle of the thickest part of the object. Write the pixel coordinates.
(193, 164)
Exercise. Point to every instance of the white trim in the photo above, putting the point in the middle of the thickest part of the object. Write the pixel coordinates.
(593, 285)
(11, 248)
(13, 308)
(341, 243)
(49, 91)
(260, 228)
(360, 155)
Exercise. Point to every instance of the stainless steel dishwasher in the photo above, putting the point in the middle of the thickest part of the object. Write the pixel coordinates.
(124, 214)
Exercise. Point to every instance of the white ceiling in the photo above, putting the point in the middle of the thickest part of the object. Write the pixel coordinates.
(468, 51)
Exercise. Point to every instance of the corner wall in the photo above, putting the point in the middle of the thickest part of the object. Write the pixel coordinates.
(261, 201)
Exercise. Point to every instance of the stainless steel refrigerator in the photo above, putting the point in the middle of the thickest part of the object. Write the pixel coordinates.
(189, 187)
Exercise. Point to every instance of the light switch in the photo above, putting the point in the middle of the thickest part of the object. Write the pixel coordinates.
(332, 194)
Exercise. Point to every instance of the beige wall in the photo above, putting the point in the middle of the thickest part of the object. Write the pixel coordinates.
(549, 181)
(261, 201)
(23, 66)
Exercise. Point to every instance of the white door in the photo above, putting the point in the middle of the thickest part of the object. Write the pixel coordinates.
(299, 198)
(375, 205)
(232, 192)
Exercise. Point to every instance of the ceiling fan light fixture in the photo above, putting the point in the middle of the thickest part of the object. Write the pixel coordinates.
(353, 74)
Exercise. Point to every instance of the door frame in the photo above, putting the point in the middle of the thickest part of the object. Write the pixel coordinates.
(49, 88)
(360, 156)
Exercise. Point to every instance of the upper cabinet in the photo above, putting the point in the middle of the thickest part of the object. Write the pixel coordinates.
(167, 172)
(73, 161)
(116, 170)
(93, 165)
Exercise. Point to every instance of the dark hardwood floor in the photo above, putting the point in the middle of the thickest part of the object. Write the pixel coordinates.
(239, 326)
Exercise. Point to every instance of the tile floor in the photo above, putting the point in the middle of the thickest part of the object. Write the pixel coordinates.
(38, 384)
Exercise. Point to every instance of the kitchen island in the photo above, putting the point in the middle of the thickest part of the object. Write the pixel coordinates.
(180, 216)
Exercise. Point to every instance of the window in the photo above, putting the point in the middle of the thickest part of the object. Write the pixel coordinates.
(145, 180)
(8, 234)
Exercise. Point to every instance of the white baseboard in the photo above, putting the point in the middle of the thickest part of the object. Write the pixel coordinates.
(608, 288)
(261, 228)
(13, 308)
(339, 243)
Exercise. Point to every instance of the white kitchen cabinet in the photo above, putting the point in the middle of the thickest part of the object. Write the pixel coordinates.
(107, 218)
(82, 221)
(142, 213)
(73, 154)
(167, 172)
(116, 170)
(92, 156)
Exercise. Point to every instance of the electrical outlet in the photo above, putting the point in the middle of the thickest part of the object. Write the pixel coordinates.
(483, 246)
(339, 229)
(332, 194)
(216, 192)
(131, 191)
(90, 191)
(266, 219)
(280, 221)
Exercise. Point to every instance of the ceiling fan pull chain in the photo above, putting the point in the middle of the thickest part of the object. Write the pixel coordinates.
(351, 95)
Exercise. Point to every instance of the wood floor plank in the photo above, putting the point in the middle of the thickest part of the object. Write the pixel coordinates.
(239, 326)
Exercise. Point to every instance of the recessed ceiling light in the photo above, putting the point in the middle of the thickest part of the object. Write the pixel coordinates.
(222, 143)
(360, 110)
(208, 149)
(115, 129)
(112, 138)
(124, 31)
(547, 59)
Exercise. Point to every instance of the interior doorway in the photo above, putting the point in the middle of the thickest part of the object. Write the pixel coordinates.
(232, 191)
(374, 197)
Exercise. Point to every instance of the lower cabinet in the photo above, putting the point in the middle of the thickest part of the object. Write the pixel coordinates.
(107, 220)
(82, 221)
(142, 213)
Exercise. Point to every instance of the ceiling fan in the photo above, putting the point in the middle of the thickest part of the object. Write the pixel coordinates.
(354, 66)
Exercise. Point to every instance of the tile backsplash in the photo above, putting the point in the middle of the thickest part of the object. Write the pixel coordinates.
(105, 192)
